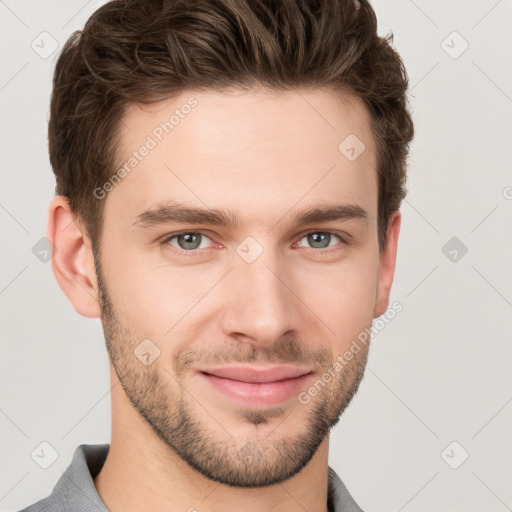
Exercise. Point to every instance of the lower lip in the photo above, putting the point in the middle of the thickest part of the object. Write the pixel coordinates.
(258, 394)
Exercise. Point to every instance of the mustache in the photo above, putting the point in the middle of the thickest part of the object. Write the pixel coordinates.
(284, 352)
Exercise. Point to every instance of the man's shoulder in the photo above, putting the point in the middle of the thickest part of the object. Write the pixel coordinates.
(339, 498)
(75, 490)
(44, 505)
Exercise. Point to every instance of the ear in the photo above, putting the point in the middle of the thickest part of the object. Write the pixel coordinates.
(72, 258)
(387, 265)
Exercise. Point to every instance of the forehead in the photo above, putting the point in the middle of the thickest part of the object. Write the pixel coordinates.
(253, 152)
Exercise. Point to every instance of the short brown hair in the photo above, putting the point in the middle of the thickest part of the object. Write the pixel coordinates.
(134, 51)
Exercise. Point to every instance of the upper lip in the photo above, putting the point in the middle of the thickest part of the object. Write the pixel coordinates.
(253, 374)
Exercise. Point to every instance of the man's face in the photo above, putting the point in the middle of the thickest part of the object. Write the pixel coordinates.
(266, 291)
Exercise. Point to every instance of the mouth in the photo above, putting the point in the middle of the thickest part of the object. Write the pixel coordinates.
(257, 387)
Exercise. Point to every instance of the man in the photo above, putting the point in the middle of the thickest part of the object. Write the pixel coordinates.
(229, 177)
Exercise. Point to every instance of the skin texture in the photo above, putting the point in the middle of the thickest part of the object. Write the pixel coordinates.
(177, 442)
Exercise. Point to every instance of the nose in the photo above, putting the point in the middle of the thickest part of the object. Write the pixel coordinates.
(261, 304)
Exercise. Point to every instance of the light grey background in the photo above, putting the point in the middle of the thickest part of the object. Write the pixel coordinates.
(438, 373)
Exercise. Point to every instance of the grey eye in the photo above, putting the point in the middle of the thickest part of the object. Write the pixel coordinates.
(319, 239)
(188, 241)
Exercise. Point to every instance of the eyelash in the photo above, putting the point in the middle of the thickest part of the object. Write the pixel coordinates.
(196, 252)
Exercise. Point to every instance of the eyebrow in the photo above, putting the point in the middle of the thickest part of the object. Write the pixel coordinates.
(167, 213)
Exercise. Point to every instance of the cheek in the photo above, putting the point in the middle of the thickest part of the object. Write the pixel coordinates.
(344, 297)
(136, 293)
(153, 298)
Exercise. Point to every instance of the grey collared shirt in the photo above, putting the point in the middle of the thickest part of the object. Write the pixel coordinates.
(75, 490)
